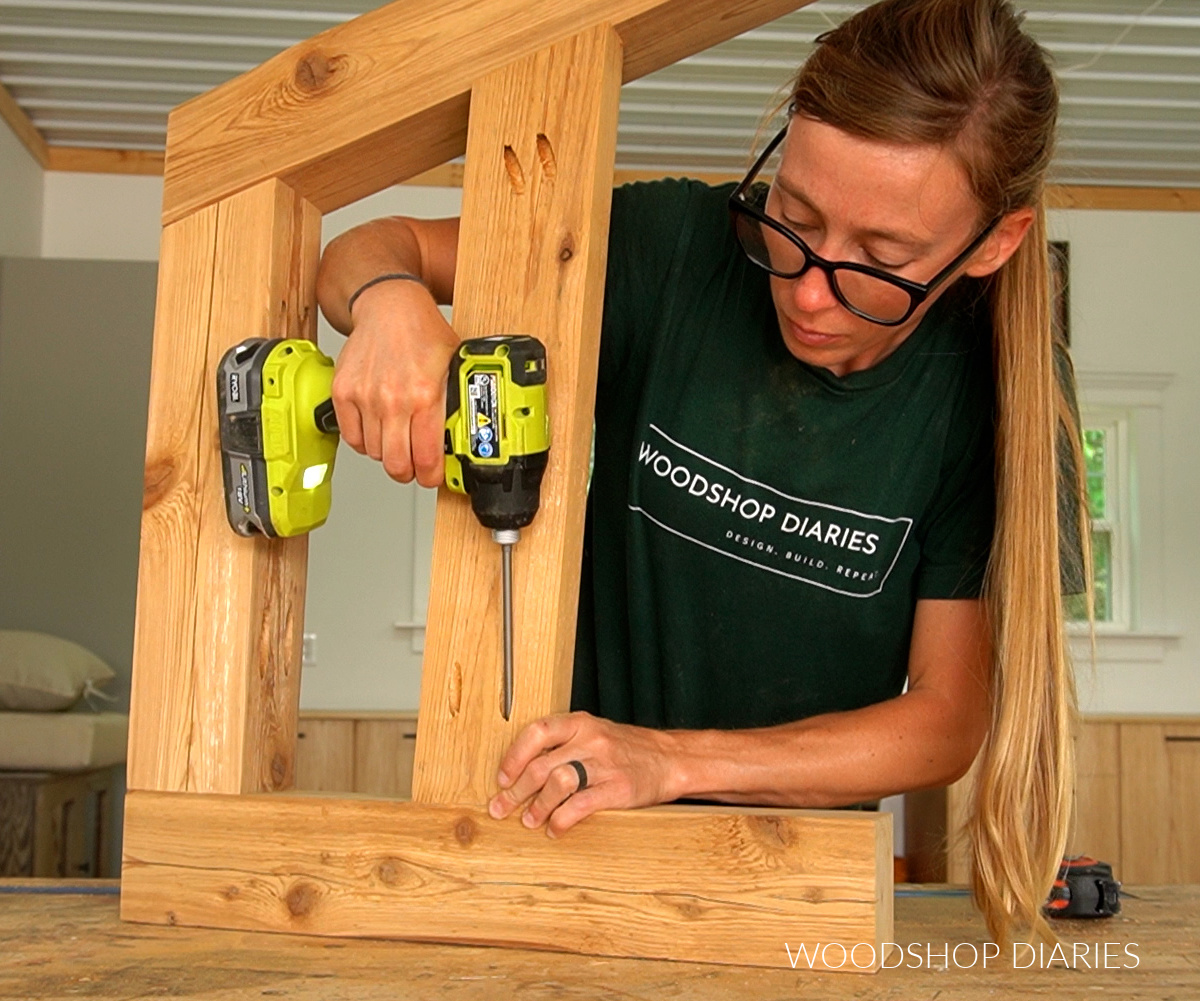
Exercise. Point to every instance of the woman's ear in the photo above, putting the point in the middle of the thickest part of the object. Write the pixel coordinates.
(1001, 244)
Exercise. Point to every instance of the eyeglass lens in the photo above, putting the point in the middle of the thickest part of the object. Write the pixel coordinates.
(769, 248)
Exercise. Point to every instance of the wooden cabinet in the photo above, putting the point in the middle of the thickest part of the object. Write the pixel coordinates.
(1137, 805)
(369, 753)
(55, 823)
(1160, 802)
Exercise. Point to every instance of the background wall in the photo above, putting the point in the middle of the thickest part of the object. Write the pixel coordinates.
(74, 377)
(1135, 308)
(20, 198)
(1135, 301)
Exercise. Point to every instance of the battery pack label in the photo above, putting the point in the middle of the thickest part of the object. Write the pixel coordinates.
(483, 414)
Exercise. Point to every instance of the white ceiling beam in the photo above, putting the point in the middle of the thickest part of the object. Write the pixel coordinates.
(90, 83)
(126, 62)
(62, 104)
(316, 17)
(148, 37)
(1087, 100)
(67, 124)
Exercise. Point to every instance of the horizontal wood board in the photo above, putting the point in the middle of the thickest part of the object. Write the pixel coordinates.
(372, 102)
(678, 883)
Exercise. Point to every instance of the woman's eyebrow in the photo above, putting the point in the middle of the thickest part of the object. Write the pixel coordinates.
(908, 240)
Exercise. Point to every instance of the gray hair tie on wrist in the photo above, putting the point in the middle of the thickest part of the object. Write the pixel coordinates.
(392, 276)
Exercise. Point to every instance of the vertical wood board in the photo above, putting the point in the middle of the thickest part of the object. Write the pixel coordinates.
(532, 251)
(1145, 793)
(217, 639)
(250, 591)
(160, 708)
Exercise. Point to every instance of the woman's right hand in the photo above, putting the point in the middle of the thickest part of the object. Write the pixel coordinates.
(389, 386)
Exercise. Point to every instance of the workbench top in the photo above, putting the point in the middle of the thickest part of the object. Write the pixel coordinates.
(64, 940)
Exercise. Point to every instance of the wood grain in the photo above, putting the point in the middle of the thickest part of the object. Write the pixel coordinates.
(160, 711)
(1183, 811)
(112, 959)
(18, 825)
(1118, 197)
(23, 128)
(219, 617)
(1160, 804)
(85, 160)
(1145, 795)
(383, 757)
(325, 755)
(680, 883)
(250, 591)
(532, 251)
(1097, 829)
(450, 175)
(385, 96)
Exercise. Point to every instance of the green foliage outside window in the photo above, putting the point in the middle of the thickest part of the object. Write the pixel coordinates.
(1096, 466)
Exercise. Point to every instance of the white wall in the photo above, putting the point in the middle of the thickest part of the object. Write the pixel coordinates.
(20, 198)
(1135, 308)
(105, 217)
(360, 578)
(1135, 301)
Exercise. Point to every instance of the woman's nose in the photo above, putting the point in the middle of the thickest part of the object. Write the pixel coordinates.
(811, 292)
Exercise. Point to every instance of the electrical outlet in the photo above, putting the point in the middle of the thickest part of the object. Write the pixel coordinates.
(309, 656)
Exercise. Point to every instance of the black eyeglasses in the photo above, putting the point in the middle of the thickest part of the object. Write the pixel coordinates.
(867, 292)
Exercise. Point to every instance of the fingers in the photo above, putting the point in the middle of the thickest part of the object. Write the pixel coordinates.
(394, 449)
(523, 763)
(389, 387)
(562, 783)
(580, 805)
(428, 450)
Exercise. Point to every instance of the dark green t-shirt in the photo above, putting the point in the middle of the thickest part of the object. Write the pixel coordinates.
(759, 530)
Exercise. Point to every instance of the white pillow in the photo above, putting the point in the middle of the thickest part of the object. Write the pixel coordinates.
(40, 673)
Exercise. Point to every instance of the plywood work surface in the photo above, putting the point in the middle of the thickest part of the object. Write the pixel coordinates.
(110, 959)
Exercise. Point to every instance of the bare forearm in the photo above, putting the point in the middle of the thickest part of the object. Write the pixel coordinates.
(910, 742)
(383, 246)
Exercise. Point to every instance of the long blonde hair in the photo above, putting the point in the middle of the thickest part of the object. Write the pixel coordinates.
(962, 74)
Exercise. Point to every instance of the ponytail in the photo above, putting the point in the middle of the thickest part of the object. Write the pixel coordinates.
(1021, 805)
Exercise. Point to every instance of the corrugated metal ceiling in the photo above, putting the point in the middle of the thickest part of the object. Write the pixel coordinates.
(104, 73)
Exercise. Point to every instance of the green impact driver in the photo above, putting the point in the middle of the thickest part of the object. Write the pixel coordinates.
(279, 438)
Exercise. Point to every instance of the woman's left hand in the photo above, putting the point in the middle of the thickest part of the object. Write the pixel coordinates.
(627, 766)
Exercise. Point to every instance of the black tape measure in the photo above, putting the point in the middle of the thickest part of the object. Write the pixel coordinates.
(1084, 888)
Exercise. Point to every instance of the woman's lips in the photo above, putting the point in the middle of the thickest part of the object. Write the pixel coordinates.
(811, 338)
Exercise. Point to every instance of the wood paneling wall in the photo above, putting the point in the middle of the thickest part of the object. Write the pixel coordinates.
(369, 753)
(1137, 805)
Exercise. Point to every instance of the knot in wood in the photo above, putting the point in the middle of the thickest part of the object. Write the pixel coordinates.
(231, 892)
(157, 481)
(773, 831)
(388, 872)
(465, 831)
(301, 899)
(279, 770)
(314, 71)
(566, 249)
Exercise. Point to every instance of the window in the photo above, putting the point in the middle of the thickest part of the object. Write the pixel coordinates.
(1107, 467)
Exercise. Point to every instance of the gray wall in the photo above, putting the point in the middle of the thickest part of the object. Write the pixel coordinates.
(74, 380)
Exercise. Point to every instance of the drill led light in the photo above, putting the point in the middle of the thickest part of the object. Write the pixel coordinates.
(314, 475)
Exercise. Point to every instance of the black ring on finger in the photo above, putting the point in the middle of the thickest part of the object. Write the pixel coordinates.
(582, 773)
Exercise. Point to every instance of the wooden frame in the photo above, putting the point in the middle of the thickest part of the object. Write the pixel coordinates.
(209, 840)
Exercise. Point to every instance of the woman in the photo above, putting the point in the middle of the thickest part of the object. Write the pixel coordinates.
(825, 455)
